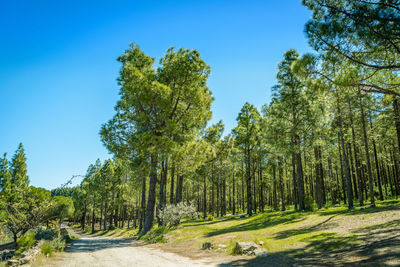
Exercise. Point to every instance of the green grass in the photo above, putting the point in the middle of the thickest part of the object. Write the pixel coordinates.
(116, 232)
(284, 231)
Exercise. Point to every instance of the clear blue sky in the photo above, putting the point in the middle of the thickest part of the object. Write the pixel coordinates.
(58, 66)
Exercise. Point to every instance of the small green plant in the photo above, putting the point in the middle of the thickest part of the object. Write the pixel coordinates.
(25, 242)
(236, 250)
(210, 218)
(47, 248)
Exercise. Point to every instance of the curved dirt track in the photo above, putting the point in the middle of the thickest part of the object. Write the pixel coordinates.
(110, 251)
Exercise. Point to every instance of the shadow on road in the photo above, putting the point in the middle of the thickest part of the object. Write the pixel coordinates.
(89, 243)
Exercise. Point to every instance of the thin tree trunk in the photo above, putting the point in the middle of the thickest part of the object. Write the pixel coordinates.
(346, 167)
(281, 185)
(371, 184)
(151, 200)
(142, 204)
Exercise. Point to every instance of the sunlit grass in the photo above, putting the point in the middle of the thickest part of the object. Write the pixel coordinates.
(283, 231)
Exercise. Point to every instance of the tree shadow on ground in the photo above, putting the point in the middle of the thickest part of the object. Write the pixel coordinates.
(86, 244)
(262, 221)
(224, 219)
(292, 232)
(387, 205)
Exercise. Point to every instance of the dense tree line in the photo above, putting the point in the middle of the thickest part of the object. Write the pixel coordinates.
(329, 135)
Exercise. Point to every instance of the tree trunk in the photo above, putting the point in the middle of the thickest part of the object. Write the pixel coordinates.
(212, 188)
(397, 119)
(105, 215)
(371, 184)
(93, 219)
(356, 159)
(274, 193)
(171, 197)
(346, 167)
(179, 188)
(205, 196)
(295, 197)
(248, 183)
(233, 192)
(163, 180)
(281, 184)
(378, 173)
(300, 181)
(151, 200)
(142, 204)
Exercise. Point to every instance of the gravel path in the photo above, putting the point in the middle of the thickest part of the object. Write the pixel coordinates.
(110, 251)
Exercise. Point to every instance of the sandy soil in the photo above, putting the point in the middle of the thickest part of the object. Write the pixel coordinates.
(110, 251)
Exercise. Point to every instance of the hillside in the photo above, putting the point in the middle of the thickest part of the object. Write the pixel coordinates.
(328, 236)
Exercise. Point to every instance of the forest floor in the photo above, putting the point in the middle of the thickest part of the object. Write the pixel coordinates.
(335, 236)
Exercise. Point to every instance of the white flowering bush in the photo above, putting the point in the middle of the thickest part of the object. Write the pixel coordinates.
(173, 214)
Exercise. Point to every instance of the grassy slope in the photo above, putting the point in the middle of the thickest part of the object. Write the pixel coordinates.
(296, 234)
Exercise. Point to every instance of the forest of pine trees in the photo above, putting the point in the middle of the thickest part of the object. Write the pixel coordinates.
(330, 134)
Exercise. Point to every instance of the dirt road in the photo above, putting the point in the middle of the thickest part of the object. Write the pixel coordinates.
(110, 251)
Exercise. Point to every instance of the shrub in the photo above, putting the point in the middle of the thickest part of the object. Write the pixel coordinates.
(25, 242)
(173, 214)
(236, 250)
(156, 235)
(58, 244)
(47, 234)
(309, 203)
(46, 248)
(210, 218)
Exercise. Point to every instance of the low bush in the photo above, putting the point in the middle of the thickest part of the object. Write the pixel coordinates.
(58, 244)
(46, 248)
(236, 250)
(46, 234)
(55, 245)
(210, 218)
(25, 242)
(156, 235)
(173, 214)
